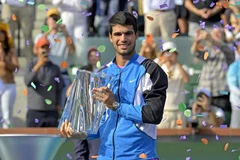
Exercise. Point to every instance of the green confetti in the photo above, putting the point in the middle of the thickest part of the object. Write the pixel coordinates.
(44, 28)
(173, 50)
(11, 125)
(33, 85)
(48, 101)
(59, 21)
(21, 1)
(98, 64)
(41, 6)
(231, 4)
(101, 48)
(49, 88)
(238, 157)
(182, 107)
(187, 113)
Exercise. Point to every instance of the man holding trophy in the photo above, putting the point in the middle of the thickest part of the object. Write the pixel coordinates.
(133, 100)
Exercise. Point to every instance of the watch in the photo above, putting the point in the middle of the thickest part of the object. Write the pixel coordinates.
(115, 105)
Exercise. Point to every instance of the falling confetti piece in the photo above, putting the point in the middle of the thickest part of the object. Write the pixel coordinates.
(179, 122)
(25, 92)
(143, 155)
(173, 50)
(174, 35)
(48, 101)
(224, 92)
(188, 158)
(64, 64)
(225, 4)
(19, 111)
(101, 48)
(188, 150)
(33, 85)
(2, 120)
(187, 113)
(49, 88)
(11, 125)
(205, 141)
(163, 6)
(205, 56)
(88, 14)
(57, 40)
(69, 156)
(44, 28)
(98, 64)
(83, 3)
(16, 70)
(217, 138)
(69, 40)
(31, 3)
(204, 123)
(182, 137)
(238, 157)
(59, 21)
(94, 157)
(150, 18)
(182, 107)
(200, 47)
(226, 147)
(41, 6)
(223, 126)
(21, 1)
(14, 18)
(36, 120)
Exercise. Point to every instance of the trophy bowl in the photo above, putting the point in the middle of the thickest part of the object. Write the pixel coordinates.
(81, 110)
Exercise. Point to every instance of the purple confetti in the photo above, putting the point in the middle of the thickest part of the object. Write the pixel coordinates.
(36, 120)
(215, 26)
(19, 111)
(161, 47)
(2, 120)
(195, 1)
(89, 14)
(204, 123)
(195, 90)
(217, 138)
(135, 13)
(163, 6)
(238, 107)
(221, 21)
(228, 26)
(211, 126)
(202, 24)
(210, 76)
(188, 158)
(26, 107)
(223, 126)
(69, 156)
(32, 70)
(27, 42)
(83, 12)
(237, 43)
(188, 150)
(16, 70)
(212, 4)
(182, 137)
(46, 9)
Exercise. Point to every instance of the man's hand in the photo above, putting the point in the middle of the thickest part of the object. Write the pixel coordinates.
(203, 102)
(104, 95)
(203, 13)
(42, 60)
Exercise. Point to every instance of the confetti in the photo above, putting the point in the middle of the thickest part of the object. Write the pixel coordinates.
(164, 118)
(205, 56)
(173, 50)
(163, 6)
(83, 3)
(200, 47)
(217, 138)
(188, 158)
(237, 15)
(41, 6)
(64, 65)
(30, 3)
(222, 21)
(224, 92)
(212, 4)
(69, 156)
(14, 18)
(25, 92)
(179, 122)
(234, 150)
(27, 42)
(188, 150)
(101, 48)
(211, 126)
(69, 40)
(226, 147)
(143, 155)
(94, 157)
(183, 137)
(204, 123)
(182, 107)
(48, 101)
(16, 70)
(98, 64)
(225, 4)
(135, 14)
(238, 157)
(44, 28)
(59, 21)
(223, 126)
(11, 125)
(36, 120)
(2, 120)
(21, 1)
(230, 4)
(215, 26)
(187, 113)
(195, 1)
(174, 35)
(19, 111)
(205, 141)
(49, 88)
(33, 85)
(150, 18)
(88, 14)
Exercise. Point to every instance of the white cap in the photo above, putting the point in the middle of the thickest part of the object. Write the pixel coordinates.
(205, 91)
(169, 45)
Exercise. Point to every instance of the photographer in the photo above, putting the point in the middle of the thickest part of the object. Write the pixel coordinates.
(202, 110)
(44, 82)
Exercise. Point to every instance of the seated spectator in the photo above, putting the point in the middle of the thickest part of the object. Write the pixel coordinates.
(233, 79)
(204, 112)
(44, 84)
(148, 50)
(177, 76)
(8, 65)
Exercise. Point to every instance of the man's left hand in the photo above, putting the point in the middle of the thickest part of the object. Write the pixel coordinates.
(105, 95)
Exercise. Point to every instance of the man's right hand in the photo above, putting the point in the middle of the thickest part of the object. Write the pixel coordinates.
(42, 60)
(203, 13)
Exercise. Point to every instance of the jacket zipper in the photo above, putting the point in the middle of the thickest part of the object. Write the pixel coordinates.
(119, 80)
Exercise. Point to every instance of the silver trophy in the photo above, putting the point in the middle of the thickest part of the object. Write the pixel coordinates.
(81, 110)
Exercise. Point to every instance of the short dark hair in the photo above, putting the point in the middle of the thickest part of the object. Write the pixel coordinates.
(122, 18)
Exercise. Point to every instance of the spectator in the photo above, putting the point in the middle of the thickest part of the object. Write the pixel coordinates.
(18, 13)
(182, 16)
(233, 79)
(165, 19)
(216, 57)
(148, 50)
(44, 82)
(92, 31)
(61, 48)
(203, 14)
(8, 64)
(204, 112)
(177, 76)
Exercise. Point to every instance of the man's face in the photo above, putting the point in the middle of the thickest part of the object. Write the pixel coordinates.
(43, 50)
(123, 39)
(51, 22)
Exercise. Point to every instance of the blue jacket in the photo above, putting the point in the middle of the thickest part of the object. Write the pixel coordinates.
(140, 88)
